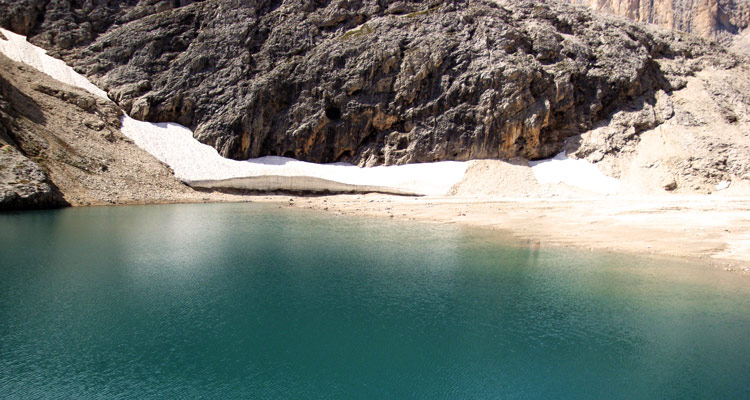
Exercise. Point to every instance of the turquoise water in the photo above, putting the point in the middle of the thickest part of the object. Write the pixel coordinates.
(228, 301)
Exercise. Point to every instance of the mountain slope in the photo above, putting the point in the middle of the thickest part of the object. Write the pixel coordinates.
(370, 82)
(60, 145)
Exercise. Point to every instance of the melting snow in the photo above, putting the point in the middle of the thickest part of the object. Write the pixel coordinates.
(18, 49)
(723, 185)
(191, 160)
(578, 173)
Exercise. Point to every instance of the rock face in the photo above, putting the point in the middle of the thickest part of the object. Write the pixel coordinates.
(23, 183)
(60, 146)
(693, 141)
(365, 81)
(716, 19)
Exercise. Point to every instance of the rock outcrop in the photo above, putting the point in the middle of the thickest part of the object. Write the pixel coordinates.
(60, 146)
(366, 81)
(23, 183)
(695, 140)
(715, 19)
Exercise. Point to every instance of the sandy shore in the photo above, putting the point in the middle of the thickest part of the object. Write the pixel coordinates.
(550, 202)
(712, 229)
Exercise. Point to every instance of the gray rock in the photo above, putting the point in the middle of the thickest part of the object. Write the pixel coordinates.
(365, 81)
(24, 184)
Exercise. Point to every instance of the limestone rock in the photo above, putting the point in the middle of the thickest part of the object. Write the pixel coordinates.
(364, 81)
(715, 19)
(687, 142)
(60, 145)
(24, 184)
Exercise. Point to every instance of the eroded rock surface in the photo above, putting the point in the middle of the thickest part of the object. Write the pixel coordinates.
(61, 145)
(696, 140)
(365, 81)
(716, 19)
(23, 183)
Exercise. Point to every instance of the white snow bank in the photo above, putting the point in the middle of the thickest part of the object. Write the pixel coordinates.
(18, 49)
(193, 161)
(577, 173)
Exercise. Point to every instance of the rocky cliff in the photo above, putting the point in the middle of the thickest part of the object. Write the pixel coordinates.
(366, 81)
(716, 19)
(60, 146)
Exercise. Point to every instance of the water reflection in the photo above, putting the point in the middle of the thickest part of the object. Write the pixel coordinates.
(252, 302)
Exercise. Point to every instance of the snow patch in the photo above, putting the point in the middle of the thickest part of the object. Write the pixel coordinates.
(17, 48)
(192, 161)
(577, 173)
(723, 185)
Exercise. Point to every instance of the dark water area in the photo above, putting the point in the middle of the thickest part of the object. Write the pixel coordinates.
(229, 301)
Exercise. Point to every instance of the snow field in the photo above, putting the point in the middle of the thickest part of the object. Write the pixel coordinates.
(577, 173)
(18, 49)
(193, 161)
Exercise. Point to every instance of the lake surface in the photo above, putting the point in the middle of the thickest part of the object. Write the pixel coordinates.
(225, 301)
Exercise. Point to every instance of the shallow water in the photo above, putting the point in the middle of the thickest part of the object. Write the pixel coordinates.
(247, 301)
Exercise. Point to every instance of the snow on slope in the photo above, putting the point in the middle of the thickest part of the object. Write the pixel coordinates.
(18, 49)
(578, 173)
(193, 161)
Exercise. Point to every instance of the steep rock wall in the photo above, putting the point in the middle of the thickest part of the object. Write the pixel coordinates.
(716, 19)
(365, 81)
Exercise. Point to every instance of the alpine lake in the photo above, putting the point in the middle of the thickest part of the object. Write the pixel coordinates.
(248, 301)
